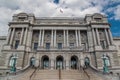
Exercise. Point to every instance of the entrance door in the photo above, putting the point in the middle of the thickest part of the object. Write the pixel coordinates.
(74, 62)
(59, 62)
(45, 62)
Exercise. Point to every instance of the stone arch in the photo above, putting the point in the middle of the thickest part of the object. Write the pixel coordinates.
(74, 62)
(45, 62)
(86, 61)
(59, 62)
(32, 61)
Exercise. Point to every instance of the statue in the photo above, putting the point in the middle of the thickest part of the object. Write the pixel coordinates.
(105, 67)
(13, 65)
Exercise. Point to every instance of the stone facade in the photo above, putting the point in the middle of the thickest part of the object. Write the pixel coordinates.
(55, 42)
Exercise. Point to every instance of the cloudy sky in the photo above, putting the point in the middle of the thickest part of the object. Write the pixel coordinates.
(58, 8)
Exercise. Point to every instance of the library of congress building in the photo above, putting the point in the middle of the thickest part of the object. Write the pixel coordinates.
(65, 43)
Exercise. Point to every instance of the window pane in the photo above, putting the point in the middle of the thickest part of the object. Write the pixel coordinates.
(47, 45)
(59, 45)
(16, 44)
(71, 45)
(35, 46)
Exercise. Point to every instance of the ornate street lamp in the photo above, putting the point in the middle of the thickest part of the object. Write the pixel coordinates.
(105, 67)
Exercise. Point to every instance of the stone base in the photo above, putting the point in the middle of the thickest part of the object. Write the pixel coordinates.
(112, 47)
(98, 48)
(21, 47)
(6, 47)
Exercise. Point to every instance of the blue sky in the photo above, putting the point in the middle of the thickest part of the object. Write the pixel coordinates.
(60, 8)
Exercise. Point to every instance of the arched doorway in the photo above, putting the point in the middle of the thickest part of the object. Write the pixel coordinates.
(74, 62)
(86, 62)
(32, 61)
(45, 62)
(59, 62)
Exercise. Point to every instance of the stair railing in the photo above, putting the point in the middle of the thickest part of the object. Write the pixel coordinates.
(87, 75)
(33, 73)
(59, 74)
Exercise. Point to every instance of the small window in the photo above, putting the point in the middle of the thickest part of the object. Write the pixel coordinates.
(47, 45)
(16, 44)
(35, 46)
(97, 19)
(103, 44)
(59, 45)
(71, 45)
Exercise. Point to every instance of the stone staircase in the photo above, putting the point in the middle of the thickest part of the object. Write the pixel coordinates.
(37, 74)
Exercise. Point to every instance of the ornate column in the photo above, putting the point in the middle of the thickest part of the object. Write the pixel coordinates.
(64, 32)
(98, 37)
(8, 36)
(76, 33)
(94, 36)
(107, 38)
(54, 38)
(21, 37)
(42, 42)
(25, 37)
(111, 38)
(67, 39)
(12, 36)
(79, 37)
(39, 41)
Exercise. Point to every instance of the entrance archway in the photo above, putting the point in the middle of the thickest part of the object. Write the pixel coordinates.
(74, 62)
(59, 62)
(32, 61)
(87, 62)
(45, 62)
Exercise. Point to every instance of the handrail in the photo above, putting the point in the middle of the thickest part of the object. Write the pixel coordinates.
(33, 73)
(59, 74)
(88, 76)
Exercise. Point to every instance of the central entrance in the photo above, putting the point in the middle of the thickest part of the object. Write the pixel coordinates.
(59, 62)
(45, 62)
(74, 62)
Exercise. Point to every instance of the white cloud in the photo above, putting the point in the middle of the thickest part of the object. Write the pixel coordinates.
(46, 8)
(117, 13)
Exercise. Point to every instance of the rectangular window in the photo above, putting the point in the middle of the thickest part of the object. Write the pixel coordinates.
(47, 45)
(103, 44)
(35, 46)
(59, 45)
(71, 45)
(16, 44)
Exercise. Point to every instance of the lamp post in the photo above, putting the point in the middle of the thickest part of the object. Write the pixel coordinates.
(13, 67)
(105, 67)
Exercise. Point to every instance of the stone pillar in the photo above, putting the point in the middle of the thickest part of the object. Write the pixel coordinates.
(25, 36)
(79, 37)
(21, 37)
(76, 33)
(42, 42)
(8, 36)
(98, 37)
(111, 38)
(94, 36)
(55, 38)
(51, 38)
(107, 38)
(64, 38)
(39, 41)
(67, 38)
(67, 64)
(52, 64)
(12, 36)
